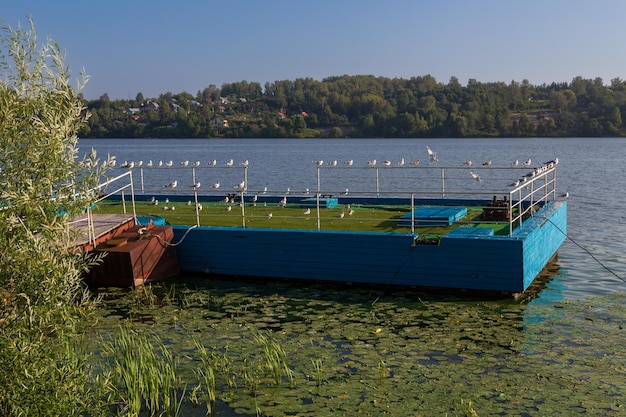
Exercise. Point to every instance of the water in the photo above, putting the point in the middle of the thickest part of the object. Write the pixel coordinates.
(590, 170)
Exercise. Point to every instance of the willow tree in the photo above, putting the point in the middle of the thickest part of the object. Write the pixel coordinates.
(42, 184)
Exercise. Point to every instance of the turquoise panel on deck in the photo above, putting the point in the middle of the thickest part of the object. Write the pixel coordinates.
(434, 216)
(327, 202)
(469, 232)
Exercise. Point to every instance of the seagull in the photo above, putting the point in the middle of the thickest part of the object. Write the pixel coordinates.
(184, 163)
(150, 164)
(565, 195)
(269, 216)
(169, 163)
(172, 184)
(333, 163)
(527, 163)
(216, 185)
(283, 202)
(475, 176)
(196, 185)
(188, 202)
(307, 211)
(319, 163)
(112, 162)
(349, 162)
(514, 184)
(351, 212)
(288, 190)
(229, 208)
(167, 201)
(226, 199)
(468, 163)
(244, 163)
(196, 164)
(241, 186)
(306, 191)
(345, 192)
(198, 206)
(255, 198)
(401, 162)
(431, 154)
(130, 165)
(139, 163)
(515, 163)
(212, 163)
(173, 208)
(264, 190)
(160, 164)
(487, 163)
(386, 162)
(552, 163)
(155, 202)
(229, 163)
(372, 163)
(416, 162)
(341, 215)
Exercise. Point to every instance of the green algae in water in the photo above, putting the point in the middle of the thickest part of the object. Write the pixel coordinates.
(407, 354)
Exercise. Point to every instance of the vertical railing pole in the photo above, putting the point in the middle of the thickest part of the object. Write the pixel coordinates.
(317, 199)
(443, 182)
(132, 194)
(141, 176)
(412, 213)
(377, 184)
(243, 209)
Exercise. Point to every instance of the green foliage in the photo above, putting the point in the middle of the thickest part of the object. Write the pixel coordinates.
(42, 368)
(368, 106)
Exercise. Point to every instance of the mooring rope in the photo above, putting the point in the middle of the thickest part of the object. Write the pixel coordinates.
(585, 250)
(165, 243)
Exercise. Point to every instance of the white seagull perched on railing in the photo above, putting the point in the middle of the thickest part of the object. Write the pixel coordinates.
(372, 163)
(216, 185)
(172, 184)
(184, 163)
(212, 163)
(529, 162)
(349, 162)
(196, 185)
(319, 163)
(230, 163)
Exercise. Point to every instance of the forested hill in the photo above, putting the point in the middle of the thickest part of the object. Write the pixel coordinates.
(368, 106)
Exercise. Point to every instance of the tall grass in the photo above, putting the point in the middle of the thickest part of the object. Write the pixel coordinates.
(144, 377)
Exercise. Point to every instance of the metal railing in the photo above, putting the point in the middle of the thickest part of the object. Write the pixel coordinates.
(523, 190)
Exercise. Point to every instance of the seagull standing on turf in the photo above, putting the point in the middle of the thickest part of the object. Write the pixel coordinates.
(341, 215)
(307, 211)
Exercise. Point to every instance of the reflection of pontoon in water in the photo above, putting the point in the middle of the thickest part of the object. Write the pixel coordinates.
(441, 227)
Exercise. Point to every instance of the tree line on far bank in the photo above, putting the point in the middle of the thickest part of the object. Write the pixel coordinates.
(368, 106)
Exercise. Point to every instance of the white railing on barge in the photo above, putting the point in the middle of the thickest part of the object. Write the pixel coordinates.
(523, 190)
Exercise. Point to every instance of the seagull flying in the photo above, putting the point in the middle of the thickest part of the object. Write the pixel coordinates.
(432, 155)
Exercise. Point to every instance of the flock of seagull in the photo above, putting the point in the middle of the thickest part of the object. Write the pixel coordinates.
(432, 157)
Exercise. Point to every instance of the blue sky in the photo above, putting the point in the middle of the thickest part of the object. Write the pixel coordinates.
(158, 46)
